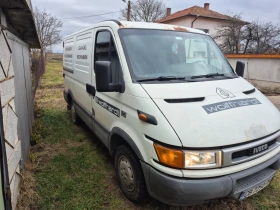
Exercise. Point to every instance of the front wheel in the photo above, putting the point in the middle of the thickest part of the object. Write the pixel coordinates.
(130, 175)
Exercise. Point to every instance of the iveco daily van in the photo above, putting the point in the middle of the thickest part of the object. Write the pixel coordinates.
(181, 124)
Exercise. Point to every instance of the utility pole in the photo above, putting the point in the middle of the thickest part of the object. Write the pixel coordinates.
(128, 10)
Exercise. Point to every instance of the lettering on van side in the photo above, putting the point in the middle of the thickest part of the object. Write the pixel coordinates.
(84, 57)
(84, 47)
(109, 107)
(68, 49)
(223, 106)
(68, 55)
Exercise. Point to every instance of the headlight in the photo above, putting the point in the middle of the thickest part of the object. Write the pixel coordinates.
(202, 159)
(188, 159)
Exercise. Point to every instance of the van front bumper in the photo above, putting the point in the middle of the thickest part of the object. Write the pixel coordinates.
(182, 191)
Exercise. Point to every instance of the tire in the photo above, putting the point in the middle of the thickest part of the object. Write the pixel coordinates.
(75, 118)
(130, 175)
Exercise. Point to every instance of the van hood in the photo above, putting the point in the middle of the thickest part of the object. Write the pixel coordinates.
(215, 113)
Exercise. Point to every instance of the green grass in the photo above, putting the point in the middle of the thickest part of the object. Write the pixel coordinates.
(74, 170)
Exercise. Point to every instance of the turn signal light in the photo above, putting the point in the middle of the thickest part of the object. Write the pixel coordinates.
(147, 118)
(170, 157)
(143, 117)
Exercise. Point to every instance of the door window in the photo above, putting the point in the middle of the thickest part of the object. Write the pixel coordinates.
(105, 50)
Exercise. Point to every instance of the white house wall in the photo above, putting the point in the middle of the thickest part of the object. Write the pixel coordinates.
(202, 23)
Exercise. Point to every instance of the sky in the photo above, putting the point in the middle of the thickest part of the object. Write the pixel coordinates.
(264, 10)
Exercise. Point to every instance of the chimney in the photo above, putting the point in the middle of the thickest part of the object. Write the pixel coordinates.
(168, 12)
(206, 6)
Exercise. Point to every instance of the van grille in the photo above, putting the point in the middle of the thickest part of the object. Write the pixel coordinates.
(249, 152)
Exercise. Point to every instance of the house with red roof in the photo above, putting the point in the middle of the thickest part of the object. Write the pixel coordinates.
(196, 17)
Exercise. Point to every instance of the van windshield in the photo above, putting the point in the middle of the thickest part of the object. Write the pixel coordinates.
(155, 54)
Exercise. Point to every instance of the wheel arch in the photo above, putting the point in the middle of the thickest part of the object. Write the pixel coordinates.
(119, 137)
(68, 96)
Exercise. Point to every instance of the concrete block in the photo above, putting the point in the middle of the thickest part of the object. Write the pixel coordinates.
(12, 105)
(9, 151)
(15, 189)
(2, 75)
(11, 71)
(5, 114)
(13, 162)
(7, 90)
(5, 54)
(11, 127)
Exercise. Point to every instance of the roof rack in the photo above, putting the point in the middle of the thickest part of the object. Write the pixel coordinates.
(116, 21)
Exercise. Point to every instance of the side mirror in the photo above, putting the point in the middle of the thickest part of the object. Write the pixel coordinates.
(103, 74)
(240, 68)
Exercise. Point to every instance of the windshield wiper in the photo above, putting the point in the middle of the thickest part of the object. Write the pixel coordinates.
(207, 76)
(162, 78)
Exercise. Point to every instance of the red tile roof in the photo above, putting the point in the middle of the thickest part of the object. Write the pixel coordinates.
(194, 11)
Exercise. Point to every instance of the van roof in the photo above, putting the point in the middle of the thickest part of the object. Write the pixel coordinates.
(140, 25)
(129, 24)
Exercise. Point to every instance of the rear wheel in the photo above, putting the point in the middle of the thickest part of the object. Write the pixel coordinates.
(75, 118)
(130, 175)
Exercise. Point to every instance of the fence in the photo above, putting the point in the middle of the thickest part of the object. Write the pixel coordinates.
(262, 70)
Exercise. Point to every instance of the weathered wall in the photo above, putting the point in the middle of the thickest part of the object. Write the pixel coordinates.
(261, 70)
(23, 91)
(10, 119)
(17, 103)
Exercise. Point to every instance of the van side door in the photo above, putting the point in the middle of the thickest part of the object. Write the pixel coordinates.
(106, 106)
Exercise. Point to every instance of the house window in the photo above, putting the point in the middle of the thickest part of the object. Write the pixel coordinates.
(204, 29)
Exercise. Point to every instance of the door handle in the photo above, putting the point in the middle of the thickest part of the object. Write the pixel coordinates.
(90, 90)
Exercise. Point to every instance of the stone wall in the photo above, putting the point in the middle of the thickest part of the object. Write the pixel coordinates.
(10, 119)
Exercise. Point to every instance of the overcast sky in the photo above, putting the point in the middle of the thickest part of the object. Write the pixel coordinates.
(265, 10)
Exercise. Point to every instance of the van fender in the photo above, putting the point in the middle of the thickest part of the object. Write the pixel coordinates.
(126, 138)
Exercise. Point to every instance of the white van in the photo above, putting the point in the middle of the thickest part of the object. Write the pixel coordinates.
(181, 124)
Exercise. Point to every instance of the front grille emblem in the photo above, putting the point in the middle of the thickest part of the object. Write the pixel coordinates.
(260, 149)
(224, 93)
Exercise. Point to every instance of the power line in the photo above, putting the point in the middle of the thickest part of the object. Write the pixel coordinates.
(81, 17)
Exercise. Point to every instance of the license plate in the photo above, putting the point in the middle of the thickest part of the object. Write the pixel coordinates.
(255, 190)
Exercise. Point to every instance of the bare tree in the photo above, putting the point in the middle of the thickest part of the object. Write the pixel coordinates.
(237, 36)
(262, 37)
(48, 27)
(229, 34)
(145, 10)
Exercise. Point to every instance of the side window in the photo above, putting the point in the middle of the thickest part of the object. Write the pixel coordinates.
(105, 50)
(102, 46)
